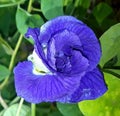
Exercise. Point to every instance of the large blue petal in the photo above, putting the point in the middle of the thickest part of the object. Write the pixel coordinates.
(56, 25)
(92, 86)
(90, 44)
(63, 44)
(39, 88)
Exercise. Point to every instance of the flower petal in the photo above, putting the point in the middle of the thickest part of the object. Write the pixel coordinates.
(92, 86)
(90, 44)
(34, 33)
(56, 25)
(79, 63)
(64, 53)
(39, 88)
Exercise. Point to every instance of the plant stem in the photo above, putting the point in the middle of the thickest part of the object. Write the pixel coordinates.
(19, 107)
(33, 109)
(12, 4)
(35, 9)
(15, 50)
(76, 3)
(66, 2)
(12, 60)
(33, 106)
(14, 100)
(30, 6)
(2, 102)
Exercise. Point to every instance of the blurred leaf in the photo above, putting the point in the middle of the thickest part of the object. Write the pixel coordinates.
(25, 20)
(106, 105)
(52, 8)
(2, 112)
(4, 58)
(71, 109)
(67, 2)
(69, 8)
(11, 111)
(6, 46)
(107, 23)
(4, 72)
(8, 92)
(110, 43)
(43, 109)
(5, 24)
(101, 11)
(85, 3)
(8, 3)
(55, 113)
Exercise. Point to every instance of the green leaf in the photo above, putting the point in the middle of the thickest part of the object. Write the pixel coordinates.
(34, 21)
(6, 46)
(69, 7)
(8, 3)
(108, 104)
(72, 109)
(55, 113)
(85, 3)
(21, 19)
(5, 24)
(25, 20)
(110, 43)
(8, 91)
(52, 8)
(117, 71)
(118, 59)
(11, 111)
(101, 11)
(4, 72)
(2, 112)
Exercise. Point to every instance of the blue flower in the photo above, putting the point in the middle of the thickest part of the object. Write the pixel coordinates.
(63, 65)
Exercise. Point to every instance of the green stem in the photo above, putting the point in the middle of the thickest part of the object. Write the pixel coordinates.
(30, 6)
(3, 103)
(15, 100)
(12, 4)
(19, 107)
(65, 2)
(15, 51)
(35, 9)
(12, 60)
(33, 109)
(76, 3)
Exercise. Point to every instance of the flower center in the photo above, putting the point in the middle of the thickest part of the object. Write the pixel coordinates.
(62, 63)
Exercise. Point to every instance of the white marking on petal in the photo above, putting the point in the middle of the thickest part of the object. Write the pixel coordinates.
(38, 66)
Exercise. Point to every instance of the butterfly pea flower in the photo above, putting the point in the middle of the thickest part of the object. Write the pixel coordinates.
(63, 65)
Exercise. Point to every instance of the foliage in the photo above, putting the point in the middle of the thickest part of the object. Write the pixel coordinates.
(108, 104)
(17, 15)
